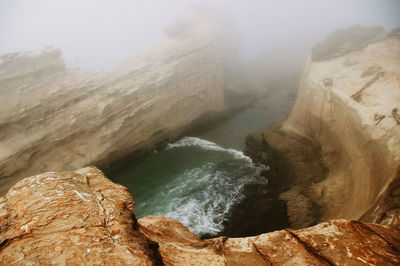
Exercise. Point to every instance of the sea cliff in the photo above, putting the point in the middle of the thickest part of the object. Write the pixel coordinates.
(55, 118)
(339, 149)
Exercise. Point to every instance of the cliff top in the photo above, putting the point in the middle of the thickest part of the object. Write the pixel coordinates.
(344, 41)
(81, 217)
(25, 63)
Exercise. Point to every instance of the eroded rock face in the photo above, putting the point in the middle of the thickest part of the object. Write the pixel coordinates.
(81, 217)
(347, 108)
(339, 242)
(70, 218)
(53, 119)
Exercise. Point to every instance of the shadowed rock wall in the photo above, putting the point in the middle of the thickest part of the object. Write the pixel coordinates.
(348, 105)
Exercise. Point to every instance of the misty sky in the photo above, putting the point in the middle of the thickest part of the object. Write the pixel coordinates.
(101, 33)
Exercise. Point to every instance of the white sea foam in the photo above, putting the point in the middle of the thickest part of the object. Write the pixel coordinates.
(203, 197)
(207, 145)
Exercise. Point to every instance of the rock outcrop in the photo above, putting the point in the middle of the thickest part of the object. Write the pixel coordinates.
(339, 242)
(347, 109)
(53, 118)
(70, 218)
(81, 217)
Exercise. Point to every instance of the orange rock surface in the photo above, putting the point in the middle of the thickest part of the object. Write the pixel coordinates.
(69, 218)
(82, 218)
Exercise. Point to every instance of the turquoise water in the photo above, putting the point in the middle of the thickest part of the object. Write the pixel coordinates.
(192, 180)
(199, 180)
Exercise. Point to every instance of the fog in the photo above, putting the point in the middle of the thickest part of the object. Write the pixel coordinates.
(98, 34)
(206, 128)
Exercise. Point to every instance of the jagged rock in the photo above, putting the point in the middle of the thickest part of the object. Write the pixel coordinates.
(70, 218)
(295, 165)
(81, 217)
(339, 242)
(53, 119)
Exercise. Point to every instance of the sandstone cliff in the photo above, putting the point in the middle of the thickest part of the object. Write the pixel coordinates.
(344, 131)
(82, 218)
(52, 118)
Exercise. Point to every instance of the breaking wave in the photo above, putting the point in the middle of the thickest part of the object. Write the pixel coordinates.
(195, 182)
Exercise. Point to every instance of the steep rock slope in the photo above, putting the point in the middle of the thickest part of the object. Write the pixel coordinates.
(81, 217)
(52, 118)
(349, 105)
(342, 138)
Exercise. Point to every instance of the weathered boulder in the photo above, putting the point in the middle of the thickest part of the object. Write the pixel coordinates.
(53, 119)
(70, 218)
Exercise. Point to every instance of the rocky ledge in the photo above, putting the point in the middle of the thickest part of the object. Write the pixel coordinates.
(81, 217)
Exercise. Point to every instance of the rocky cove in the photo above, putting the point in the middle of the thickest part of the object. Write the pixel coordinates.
(209, 186)
(336, 156)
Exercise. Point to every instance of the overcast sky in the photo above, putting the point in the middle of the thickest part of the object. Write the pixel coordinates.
(101, 33)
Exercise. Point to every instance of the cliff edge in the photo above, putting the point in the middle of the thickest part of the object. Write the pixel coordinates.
(340, 147)
(81, 217)
(54, 118)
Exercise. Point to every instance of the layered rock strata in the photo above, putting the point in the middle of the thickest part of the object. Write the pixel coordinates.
(70, 218)
(347, 109)
(81, 217)
(339, 242)
(53, 118)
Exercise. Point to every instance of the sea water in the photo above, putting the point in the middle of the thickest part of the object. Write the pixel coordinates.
(194, 181)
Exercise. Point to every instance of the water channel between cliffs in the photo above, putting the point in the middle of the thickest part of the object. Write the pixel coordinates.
(205, 179)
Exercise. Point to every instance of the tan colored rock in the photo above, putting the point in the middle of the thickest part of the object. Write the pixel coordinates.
(177, 245)
(363, 154)
(54, 119)
(18, 65)
(338, 242)
(347, 108)
(70, 218)
(82, 218)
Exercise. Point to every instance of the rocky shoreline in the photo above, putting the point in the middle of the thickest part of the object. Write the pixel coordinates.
(295, 165)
